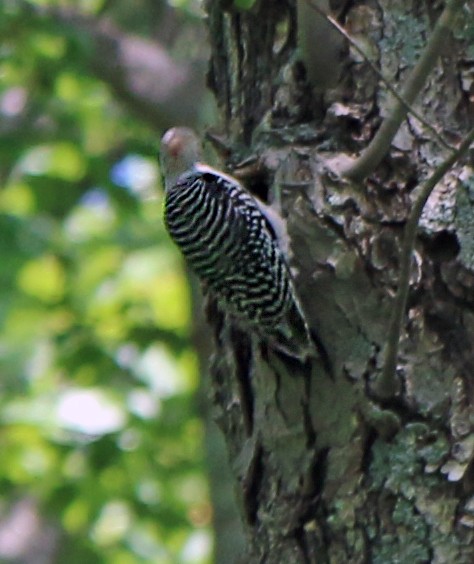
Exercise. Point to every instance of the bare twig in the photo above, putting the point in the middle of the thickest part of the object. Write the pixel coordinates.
(377, 71)
(387, 384)
(380, 144)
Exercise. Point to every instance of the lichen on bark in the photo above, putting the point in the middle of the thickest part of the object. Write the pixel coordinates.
(328, 472)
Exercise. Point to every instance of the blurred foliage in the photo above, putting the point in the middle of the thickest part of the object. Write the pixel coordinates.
(244, 4)
(97, 419)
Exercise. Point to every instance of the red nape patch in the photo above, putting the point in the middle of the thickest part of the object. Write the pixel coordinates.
(175, 147)
(173, 143)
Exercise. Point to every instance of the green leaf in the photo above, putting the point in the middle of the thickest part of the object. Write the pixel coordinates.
(43, 278)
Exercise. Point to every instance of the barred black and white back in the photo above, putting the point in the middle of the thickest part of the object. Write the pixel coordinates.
(229, 243)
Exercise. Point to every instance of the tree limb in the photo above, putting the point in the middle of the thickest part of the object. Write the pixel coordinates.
(403, 101)
(140, 71)
(386, 386)
(380, 144)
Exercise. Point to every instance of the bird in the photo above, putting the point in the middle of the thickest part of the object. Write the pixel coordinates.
(230, 241)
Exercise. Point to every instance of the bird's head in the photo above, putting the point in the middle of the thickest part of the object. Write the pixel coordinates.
(180, 150)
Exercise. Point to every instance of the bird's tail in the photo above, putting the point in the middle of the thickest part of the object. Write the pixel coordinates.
(296, 339)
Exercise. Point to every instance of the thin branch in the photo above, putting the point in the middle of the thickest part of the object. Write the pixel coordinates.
(141, 72)
(380, 144)
(387, 384)
(377, 71)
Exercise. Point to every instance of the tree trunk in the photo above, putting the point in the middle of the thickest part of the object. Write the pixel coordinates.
(327, 471)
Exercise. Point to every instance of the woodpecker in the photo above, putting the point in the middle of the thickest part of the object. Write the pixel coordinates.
(230, 244)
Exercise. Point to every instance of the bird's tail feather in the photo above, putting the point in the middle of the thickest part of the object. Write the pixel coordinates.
(294, 338)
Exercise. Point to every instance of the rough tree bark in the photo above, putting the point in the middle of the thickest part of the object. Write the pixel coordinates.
(327, 471)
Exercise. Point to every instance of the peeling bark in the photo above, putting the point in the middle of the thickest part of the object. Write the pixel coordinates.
(326, 471)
